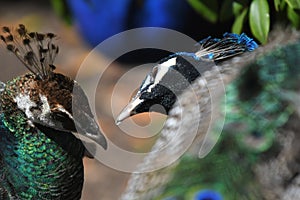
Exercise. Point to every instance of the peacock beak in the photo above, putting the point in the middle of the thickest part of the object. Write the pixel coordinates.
(130, 109)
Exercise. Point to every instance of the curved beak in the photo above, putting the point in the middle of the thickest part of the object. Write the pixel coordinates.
(84, 121)
(88, 128)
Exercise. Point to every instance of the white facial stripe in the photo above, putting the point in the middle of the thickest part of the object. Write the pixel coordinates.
(45, 105)
(2, 86)
(146, 82)
(163, 68)
(170, 62)
(62, 109)
(25, 103)
(134, 103)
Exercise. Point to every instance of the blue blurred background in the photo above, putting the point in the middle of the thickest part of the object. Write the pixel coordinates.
(97, 20)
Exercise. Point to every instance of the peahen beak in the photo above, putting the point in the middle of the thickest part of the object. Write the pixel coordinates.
(88, 128)
(84, 121)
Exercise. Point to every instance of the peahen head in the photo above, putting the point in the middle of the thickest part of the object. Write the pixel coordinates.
(44, 98)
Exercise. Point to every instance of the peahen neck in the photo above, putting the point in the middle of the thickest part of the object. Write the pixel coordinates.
(38, 162)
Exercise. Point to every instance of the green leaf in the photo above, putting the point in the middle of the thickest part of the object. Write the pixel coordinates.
(282, 5)
(295, 4)
(294, 17)
(277, 4)
(207, 8)
(259, 18)
(243, 2)
(239, 21)
(237, 8)
(226, 10)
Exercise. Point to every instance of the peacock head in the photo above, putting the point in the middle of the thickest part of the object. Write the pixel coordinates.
(172, 75)
(164, 83)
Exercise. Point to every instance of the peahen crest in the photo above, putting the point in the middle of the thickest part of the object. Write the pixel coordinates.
(44, 121)
(35, 50)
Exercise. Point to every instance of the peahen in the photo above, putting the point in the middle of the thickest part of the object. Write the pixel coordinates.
(41, 114)
(257, 154)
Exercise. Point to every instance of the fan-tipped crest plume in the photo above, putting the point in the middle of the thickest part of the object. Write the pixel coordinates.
(35, 50)
(230, 45)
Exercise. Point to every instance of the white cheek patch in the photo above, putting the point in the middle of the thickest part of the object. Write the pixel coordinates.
(162, 69)
(25, 104)
(45, 107)
(2, 86)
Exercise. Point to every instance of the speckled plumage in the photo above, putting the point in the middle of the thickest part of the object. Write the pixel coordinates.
(40, 158)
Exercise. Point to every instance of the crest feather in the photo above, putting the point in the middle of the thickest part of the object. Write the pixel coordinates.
(35, 50)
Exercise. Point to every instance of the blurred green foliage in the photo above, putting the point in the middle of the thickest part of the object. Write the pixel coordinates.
(61, 10)
(255, 12)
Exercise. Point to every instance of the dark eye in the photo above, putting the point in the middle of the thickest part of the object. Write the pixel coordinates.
(60, 116)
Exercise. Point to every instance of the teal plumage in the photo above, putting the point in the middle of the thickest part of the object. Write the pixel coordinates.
(34, 166)
(226, 171)
(40, 158)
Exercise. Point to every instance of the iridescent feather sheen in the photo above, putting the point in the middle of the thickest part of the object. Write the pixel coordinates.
(40, 158)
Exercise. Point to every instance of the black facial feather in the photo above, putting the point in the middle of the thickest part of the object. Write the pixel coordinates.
(178, 77)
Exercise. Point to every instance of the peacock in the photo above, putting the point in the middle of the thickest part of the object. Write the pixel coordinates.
(248, 146)
(44, 120)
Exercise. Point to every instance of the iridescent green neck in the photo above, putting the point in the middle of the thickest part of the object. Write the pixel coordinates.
(35, 165)
(39, 163)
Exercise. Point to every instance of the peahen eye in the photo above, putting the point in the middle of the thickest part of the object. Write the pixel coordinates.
(60, 115)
